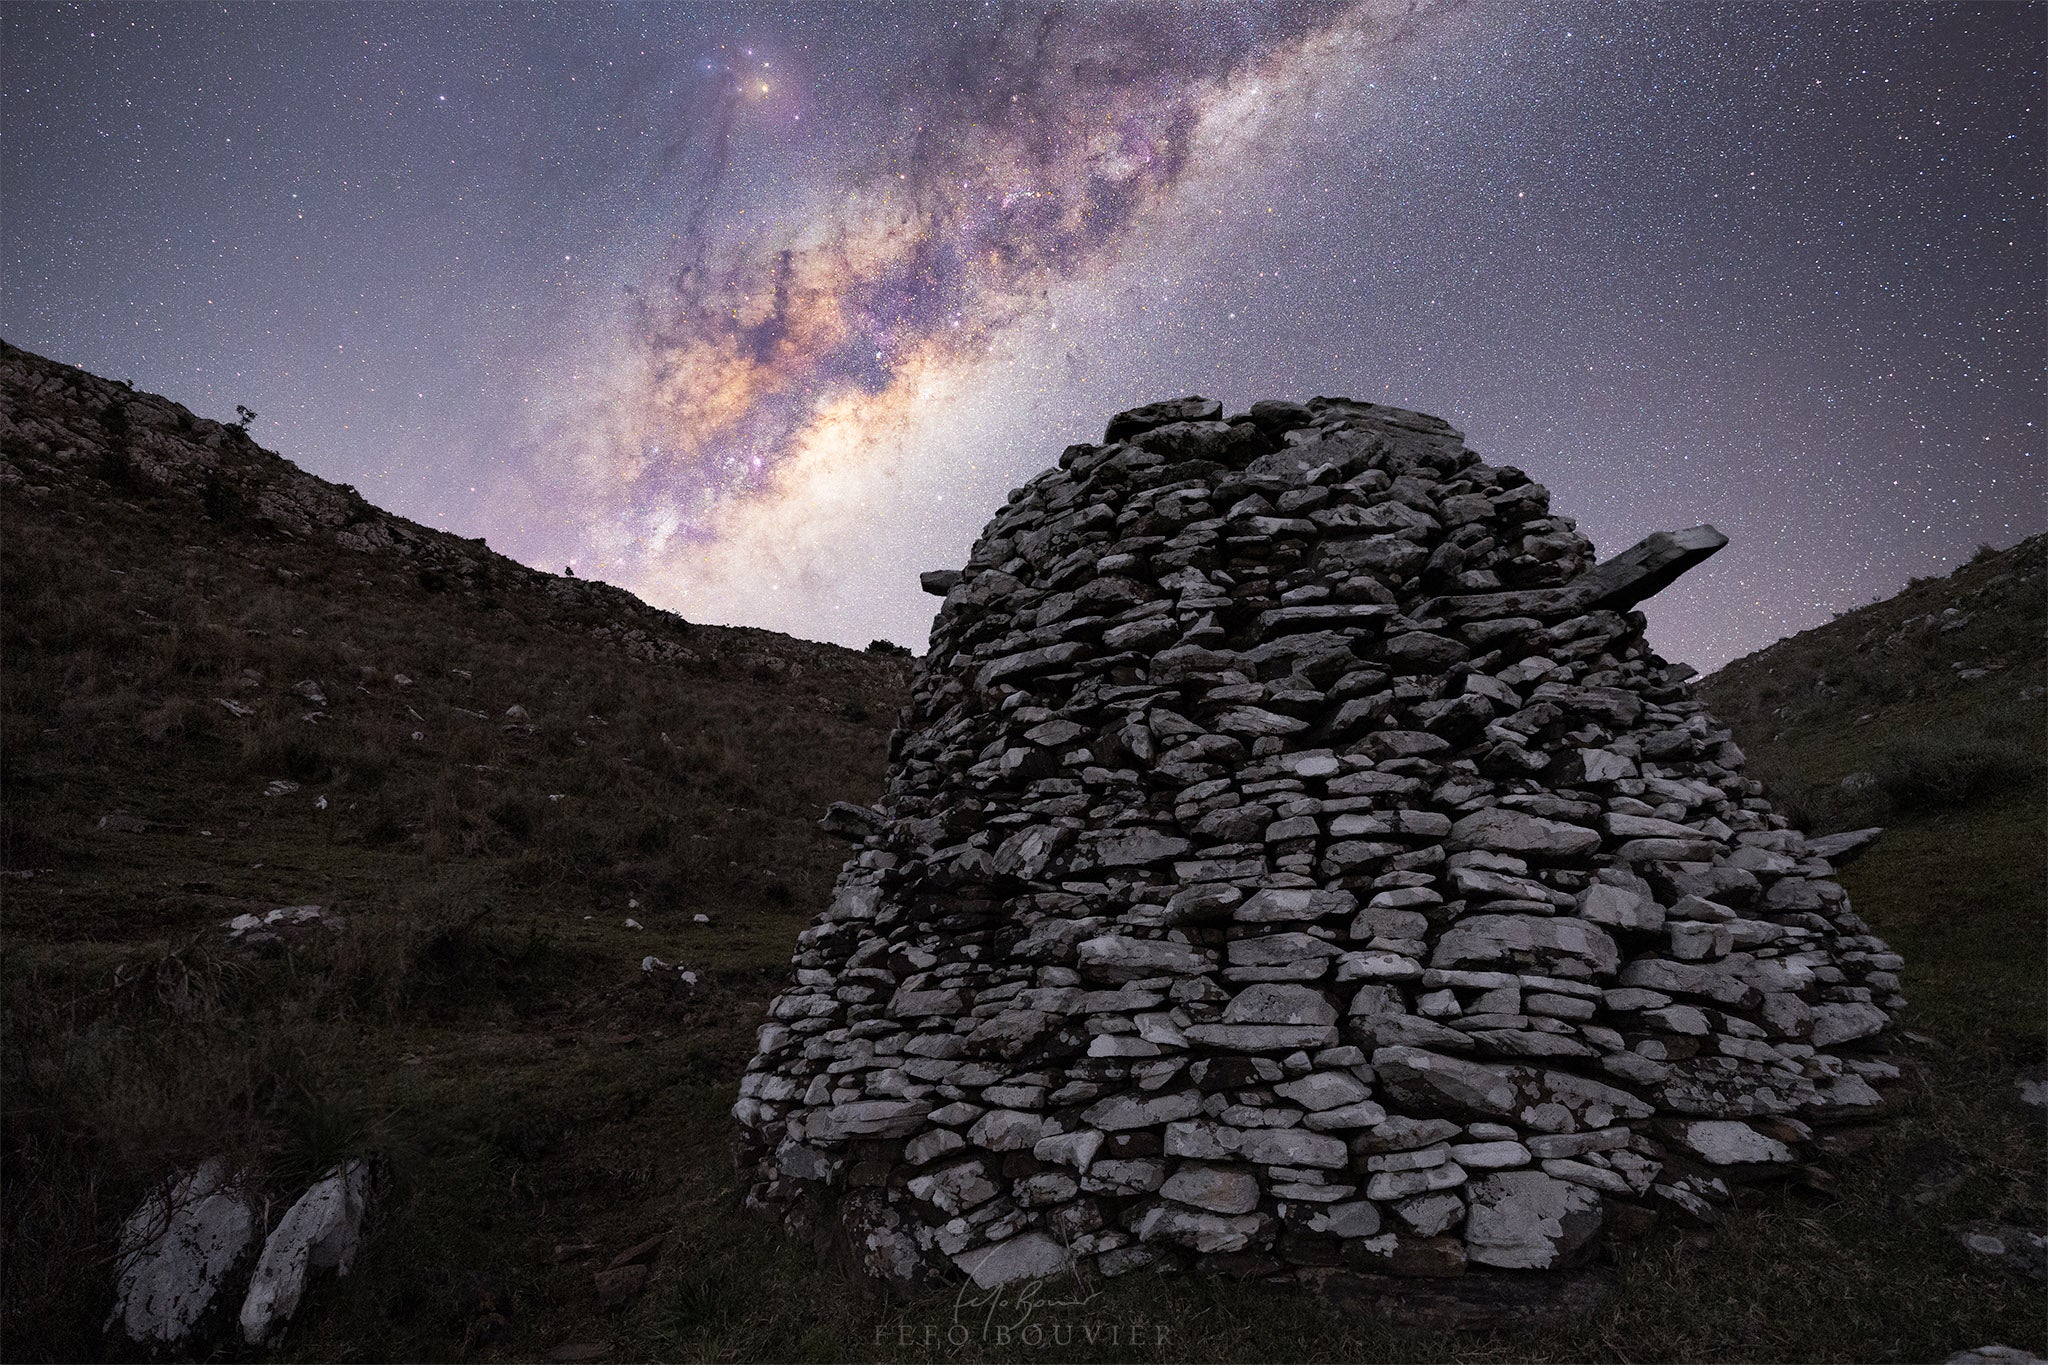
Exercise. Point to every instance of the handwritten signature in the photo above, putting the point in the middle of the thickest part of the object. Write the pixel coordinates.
(1013, 1306)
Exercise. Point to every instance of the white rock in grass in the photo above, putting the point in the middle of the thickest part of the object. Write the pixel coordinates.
(322, 1231)
(177, 1253)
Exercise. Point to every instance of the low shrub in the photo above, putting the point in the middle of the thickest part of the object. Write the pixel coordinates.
(285, 749)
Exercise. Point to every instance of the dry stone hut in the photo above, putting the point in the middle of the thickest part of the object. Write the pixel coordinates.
(1295, 863)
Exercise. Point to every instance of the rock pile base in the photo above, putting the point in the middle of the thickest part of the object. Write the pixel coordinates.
(1294, 861)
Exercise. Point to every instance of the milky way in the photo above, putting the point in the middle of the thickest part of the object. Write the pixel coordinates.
(759, 310)
(763, 375)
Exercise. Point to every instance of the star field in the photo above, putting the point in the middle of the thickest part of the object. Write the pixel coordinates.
(759, 310)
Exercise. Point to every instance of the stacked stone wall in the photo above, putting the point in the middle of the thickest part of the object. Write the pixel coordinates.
(1294, 860)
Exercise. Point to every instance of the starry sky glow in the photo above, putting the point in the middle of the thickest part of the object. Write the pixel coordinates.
(757, 310)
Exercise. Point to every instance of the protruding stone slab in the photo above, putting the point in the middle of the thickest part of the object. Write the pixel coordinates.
(1635, 575)
(1844, 847)
(1646, 568)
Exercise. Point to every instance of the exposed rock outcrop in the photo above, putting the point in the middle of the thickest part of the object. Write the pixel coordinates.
(188, 1254)
(1294, 859)
(179, 1252)
(322, 1231)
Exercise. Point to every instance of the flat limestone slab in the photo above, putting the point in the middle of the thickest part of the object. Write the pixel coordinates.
(1635, 575)
(1648, 567)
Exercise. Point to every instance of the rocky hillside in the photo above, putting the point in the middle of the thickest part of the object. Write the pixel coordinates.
(232, 687)
(184, 604)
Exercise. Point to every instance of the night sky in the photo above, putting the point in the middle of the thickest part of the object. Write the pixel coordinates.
(758, 311)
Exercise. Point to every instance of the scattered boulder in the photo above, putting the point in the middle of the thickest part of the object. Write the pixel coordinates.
(281, 925)
(676, 980)
(322, 1231)
(179, 1252)
(2022, 1251)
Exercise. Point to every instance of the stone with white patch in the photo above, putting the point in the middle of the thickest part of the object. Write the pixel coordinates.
(1526, 1220)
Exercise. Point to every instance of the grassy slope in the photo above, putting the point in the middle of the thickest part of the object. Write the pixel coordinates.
(482, 1019)
(541, 1108)
(1930, 705)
